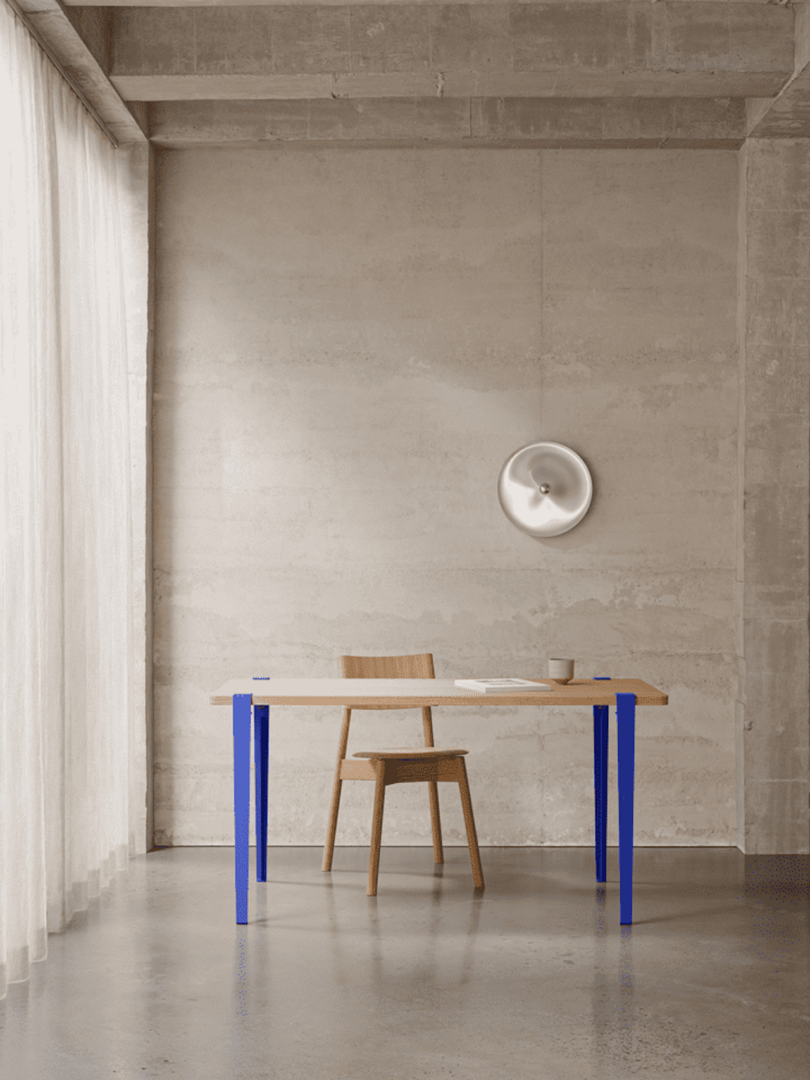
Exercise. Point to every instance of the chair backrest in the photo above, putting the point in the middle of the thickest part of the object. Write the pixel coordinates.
(419, 666)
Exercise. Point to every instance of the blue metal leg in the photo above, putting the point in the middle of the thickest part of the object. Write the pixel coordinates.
(600, 765)
(261, 731)
(241, 799)
(626, 751)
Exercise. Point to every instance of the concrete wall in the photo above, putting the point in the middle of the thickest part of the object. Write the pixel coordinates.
(774, 476)
(349, 346)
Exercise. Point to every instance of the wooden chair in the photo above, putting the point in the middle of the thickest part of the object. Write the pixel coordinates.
(411, 765)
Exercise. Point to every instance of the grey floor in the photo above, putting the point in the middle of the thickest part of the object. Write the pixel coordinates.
(534, 978)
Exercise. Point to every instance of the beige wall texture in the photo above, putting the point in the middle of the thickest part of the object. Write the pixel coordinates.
(349, 345)
(773, 738)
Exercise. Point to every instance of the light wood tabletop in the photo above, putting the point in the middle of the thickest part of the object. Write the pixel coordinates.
(425, 692)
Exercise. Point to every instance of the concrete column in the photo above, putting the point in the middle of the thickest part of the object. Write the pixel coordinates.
(136, 191)
(773, 778)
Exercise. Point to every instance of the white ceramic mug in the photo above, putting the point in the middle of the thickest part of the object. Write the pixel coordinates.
(561, 671)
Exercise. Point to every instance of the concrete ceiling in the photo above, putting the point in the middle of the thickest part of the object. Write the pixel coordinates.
(566, 73)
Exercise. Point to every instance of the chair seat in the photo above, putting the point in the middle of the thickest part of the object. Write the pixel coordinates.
(416, 753)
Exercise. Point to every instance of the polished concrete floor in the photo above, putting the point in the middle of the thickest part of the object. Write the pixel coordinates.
(532, 979)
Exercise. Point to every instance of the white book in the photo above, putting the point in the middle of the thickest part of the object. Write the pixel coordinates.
(502, 686)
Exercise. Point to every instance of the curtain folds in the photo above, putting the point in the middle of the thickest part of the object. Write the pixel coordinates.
(66, 628)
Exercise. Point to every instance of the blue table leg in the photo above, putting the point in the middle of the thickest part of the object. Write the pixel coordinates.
(626, 751)
(600, 776)
(261, 731)
(241, 799)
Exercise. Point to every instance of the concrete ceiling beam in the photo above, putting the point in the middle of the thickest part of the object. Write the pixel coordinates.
(341, 3)
(78, 43)
(455, 84)
(479, 122)
(788, 115)
(614, 48)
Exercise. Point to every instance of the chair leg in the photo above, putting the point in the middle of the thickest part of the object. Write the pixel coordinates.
(329, 847)
(331, 828)
(433, 791)
(436, 822)
(376, 829)
(469, 821)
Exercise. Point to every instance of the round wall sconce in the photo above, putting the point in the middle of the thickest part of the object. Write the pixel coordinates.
(545, 489)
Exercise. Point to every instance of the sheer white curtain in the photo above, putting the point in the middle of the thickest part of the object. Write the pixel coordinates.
(66, 627)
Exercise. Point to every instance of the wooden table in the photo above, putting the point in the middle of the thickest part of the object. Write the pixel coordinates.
(258, 694)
